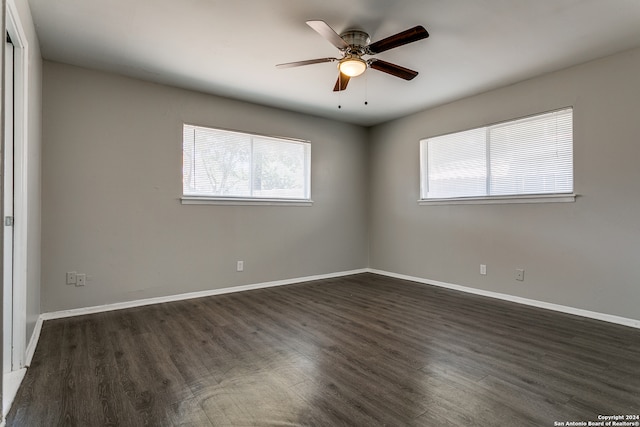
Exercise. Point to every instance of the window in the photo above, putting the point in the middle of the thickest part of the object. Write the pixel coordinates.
(529, 156)
(226, 165)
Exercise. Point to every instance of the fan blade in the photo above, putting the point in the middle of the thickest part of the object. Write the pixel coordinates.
(341, 83)
(393, 69)
(328, 33)
(307, 62)
(408, 36)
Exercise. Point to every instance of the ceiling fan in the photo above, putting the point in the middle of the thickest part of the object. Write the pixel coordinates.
(354, 44)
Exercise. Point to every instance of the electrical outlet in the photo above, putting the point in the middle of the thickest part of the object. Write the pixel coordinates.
(240, 266)
(483, 269)
(81, 279)
(520, 274)
(71, 277)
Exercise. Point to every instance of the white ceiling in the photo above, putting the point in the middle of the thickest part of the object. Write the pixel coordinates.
(231, 47)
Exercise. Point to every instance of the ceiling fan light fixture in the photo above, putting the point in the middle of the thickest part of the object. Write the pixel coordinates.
(352, 66)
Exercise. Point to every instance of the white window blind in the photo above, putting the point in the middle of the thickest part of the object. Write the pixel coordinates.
(533, 155)
(226, 164)
(457, 164)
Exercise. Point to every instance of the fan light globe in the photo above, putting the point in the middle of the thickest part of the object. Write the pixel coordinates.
(352, 66)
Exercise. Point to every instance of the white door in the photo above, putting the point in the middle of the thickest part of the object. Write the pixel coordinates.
(8, 212)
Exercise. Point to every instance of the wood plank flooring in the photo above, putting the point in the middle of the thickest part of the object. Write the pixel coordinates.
(362, 350)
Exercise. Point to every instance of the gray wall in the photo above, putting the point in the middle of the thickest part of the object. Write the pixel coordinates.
(583, 254)
(111, 183)
(112, 178)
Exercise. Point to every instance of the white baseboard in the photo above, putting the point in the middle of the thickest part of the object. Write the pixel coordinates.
(180, 297)
(190, 295)
(526, 301)
(10, 383)
(33, 342)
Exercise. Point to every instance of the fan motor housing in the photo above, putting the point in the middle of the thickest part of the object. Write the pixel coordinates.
(356, 38)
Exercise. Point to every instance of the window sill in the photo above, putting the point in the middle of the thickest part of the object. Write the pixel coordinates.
(237, 201)
(532, 198)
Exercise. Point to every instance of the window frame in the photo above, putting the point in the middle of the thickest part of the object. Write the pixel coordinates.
(186, 199)
(563, 197)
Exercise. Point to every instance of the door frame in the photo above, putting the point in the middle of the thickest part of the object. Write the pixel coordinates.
(20, 196)
(7, 210)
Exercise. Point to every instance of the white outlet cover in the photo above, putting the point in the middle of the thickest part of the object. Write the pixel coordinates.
(71, 277)
(81, 279)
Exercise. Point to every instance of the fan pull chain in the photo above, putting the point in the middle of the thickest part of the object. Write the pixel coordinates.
(366, 89)
(339, 90)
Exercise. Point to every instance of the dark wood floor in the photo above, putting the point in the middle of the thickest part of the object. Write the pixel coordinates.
(362, 350)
